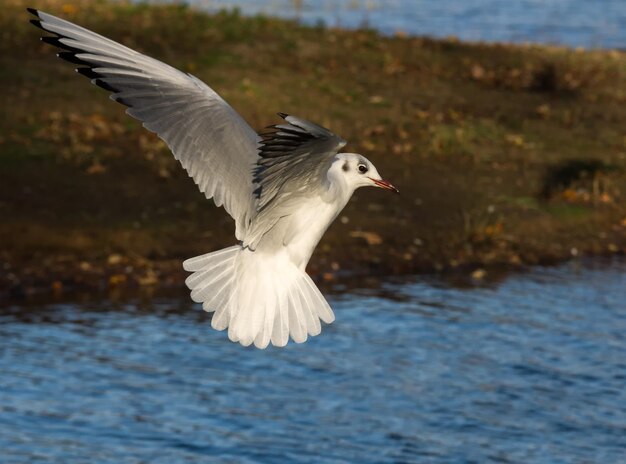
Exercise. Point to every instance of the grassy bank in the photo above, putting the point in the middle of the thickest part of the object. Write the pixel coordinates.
(505, 155)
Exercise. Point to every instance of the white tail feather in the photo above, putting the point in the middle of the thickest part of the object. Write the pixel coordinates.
(261, 298)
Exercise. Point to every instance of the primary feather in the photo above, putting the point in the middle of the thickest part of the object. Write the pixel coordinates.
(212, 142)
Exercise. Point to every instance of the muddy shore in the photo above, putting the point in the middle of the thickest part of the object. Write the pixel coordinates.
(506, 156)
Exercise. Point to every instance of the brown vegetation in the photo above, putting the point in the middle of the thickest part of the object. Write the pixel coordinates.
(505, 155)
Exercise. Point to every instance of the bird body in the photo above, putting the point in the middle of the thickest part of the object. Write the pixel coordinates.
(307, 226)
(270, 295)
(301, 222)
(283, 188)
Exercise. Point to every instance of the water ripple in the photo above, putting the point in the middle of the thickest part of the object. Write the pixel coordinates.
(531, 370)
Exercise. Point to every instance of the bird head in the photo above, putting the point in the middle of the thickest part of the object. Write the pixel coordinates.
(357, 171)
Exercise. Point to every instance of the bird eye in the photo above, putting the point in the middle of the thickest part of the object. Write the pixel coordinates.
(362, 168)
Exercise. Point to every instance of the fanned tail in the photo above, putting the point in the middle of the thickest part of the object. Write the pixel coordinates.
(261, 298)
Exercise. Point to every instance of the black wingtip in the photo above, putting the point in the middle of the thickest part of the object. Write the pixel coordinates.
(282, 115)
(37, 23)
(88, 72)
(55, 41)
(122, 101)
(72, 58)
(96, 79)
(33, 11)
(103, 85)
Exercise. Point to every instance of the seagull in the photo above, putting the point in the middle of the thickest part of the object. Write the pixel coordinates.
(283, 187)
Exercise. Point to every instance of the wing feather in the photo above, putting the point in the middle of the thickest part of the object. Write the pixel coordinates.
(293, 155)
(213, 143)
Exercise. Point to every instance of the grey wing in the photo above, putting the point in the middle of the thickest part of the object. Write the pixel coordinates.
(292, 156)
(213, 143)
(294, 159)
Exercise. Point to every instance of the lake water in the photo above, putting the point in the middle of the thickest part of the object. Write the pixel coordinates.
(578, 23)
(530, 370)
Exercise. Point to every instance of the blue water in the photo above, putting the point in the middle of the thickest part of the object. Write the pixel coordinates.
(578, 23)
(530, 370)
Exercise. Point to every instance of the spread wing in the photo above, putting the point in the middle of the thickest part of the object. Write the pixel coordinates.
(213, 143)
(293, 155)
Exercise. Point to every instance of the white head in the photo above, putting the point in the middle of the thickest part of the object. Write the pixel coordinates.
(352, 171)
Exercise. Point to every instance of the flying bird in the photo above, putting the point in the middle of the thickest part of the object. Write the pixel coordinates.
(283, 188)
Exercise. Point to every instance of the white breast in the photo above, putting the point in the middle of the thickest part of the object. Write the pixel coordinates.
(306, 227)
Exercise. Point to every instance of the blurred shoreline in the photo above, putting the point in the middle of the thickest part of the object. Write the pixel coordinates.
(506, 156)
(569, 23)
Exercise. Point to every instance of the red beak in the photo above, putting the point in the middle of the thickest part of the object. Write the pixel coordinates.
(384, 185)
